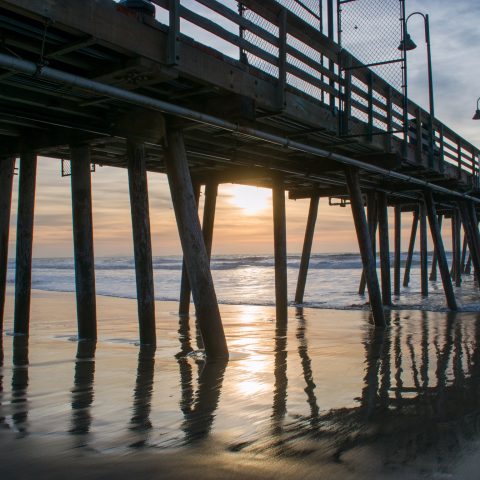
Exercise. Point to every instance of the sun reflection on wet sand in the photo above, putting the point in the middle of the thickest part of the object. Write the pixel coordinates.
(324, 395)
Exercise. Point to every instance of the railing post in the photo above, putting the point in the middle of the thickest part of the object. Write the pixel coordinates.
(173, 32)
(347, 96)
(419, 134)
(370, 107)
(441, 161)
(459, 157)
(282, 58)
(389, 108)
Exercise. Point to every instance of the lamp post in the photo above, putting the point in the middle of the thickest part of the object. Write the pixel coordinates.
(408, 44)
(477, 112)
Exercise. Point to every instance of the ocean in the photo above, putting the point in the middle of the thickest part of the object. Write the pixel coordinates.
(332, 281)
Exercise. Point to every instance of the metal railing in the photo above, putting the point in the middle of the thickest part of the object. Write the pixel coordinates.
(279, 44)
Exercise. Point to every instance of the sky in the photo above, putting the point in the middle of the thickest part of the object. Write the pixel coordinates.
(455, 43)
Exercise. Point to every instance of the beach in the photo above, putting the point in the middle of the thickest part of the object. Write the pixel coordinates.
(325, 398)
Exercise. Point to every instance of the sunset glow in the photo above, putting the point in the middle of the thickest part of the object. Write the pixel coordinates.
(251, 200)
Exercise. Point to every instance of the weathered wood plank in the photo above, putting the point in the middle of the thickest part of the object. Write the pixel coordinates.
(365, 246)
(280, 249)
(193, 245)
(7, 166)
(142, 244)
(439, 248)
(83, 242)
(23, 261)
(307, 248)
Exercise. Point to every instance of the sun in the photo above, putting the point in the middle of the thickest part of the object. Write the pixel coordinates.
(251, 200)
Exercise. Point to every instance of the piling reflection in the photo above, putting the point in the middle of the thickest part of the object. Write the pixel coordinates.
(306, 364)
(199, 419)
(197, 407)
(186, 370)
(140, 422)
(416, 391)
(83, 392)
(420, 390)
(20, 381)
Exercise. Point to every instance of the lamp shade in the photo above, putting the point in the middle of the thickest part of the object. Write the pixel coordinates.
(477, 115)
(409, 43)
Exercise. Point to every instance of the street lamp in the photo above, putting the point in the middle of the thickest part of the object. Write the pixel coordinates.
(477, 112)
(408, 44)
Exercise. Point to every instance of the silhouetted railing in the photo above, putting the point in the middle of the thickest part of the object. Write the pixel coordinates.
(277, 42)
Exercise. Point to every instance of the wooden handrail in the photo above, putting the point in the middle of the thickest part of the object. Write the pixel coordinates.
(377, 100)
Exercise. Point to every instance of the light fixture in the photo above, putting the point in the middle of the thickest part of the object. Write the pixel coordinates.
(409, 44)
(477, 112)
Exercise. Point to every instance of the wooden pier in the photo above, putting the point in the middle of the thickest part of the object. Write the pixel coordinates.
(97, 82)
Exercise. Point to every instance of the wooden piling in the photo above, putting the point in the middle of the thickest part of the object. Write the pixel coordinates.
(456, 253)
(83, 242)
(423, 251)
(23, 272)
(365, 246)
(439, 248)
(474, 221)
(185, 291)
(469, 228)
(464, 248)
(211, 192)
(7, 166)
(433, 270)
(142, 245)
(372, 219)
(280, 249)
(411, 247)
(193, 245)
(307, 248)
(384, 248)
(398, 249)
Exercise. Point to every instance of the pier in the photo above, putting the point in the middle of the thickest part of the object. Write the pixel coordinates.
(105, 83)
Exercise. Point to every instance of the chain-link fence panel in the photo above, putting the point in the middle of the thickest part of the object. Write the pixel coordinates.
(371, 30)
(309, 11)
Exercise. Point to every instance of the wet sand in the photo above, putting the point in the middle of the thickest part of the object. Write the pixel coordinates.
(325, 398)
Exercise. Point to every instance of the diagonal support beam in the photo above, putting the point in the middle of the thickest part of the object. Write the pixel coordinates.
(365, 246)
(411, 247)
(307, 248)
(193, 245)
(439, 248)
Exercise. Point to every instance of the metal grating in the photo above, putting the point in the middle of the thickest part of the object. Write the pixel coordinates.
(66, 167)
(311, 12)
(371, 30)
